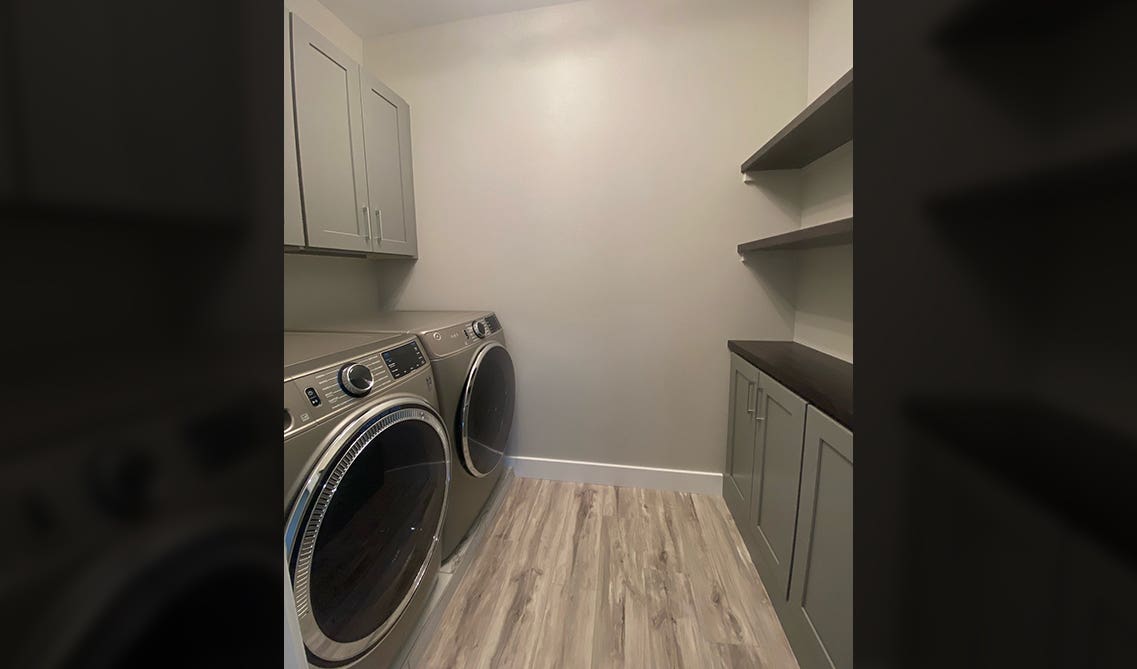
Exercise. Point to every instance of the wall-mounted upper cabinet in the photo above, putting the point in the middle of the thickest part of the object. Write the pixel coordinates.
(353, 151)
(390, 186)
(293, 216)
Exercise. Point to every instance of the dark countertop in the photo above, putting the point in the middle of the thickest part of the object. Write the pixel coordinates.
(820, 379)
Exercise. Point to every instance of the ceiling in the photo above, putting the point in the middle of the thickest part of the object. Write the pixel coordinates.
(368, 18)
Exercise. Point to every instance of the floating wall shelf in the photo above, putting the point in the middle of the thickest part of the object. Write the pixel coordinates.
(832, 233)
(823, 126)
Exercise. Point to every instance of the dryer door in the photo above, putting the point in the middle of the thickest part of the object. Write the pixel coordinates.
(364, 526)
(487, 410)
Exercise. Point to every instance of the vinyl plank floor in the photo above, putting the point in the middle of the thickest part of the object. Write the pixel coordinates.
(579, 575)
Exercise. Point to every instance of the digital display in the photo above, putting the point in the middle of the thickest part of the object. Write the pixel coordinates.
(404, 359)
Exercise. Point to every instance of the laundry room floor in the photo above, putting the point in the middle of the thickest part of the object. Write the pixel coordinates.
(578, 575)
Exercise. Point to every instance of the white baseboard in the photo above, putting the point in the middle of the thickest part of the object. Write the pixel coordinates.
(681, 480)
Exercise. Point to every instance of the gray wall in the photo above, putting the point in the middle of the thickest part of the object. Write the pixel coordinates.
(824, 294)
(576, 170)
(318, 286)
(329, 25)
(830, 43)
(823, 297)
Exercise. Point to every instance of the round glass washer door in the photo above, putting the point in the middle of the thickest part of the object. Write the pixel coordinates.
(362, 530)
(486, 415)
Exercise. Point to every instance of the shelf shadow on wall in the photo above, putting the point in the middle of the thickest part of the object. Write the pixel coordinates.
(776, 272)
(782, 188)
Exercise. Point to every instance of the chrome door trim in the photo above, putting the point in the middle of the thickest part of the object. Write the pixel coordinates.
(464, 416)
(304, 526)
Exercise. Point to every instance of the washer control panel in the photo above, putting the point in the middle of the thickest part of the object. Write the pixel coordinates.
(312, 397)
(329, 383)
(404, 359)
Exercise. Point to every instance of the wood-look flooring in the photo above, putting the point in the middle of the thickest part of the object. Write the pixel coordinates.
(578, 575)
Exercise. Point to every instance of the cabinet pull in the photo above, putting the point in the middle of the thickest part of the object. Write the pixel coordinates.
(750, 396)
(366, 234)
(757, 400)
(379, 220)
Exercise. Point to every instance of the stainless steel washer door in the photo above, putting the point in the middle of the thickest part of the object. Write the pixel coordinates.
(486, 415)
(362, 530)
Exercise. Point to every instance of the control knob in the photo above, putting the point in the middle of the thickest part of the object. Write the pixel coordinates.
(479, 329)
(356, 379)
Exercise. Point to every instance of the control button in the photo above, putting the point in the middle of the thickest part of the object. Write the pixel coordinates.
(479, 329)
(437, 336)
(312, 396)
(356, 379)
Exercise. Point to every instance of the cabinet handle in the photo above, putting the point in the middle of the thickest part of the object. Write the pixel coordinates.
(757, 399)
(366, 234)
(379, 220)
(750, 396)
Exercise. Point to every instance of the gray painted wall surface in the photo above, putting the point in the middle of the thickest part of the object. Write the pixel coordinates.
(830, 43)
(824, 294)
(576, 170)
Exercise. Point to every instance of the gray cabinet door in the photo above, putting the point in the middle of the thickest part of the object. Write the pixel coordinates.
(739, 468)
(387, 147)
(774, 494)
(819, 618)
(329, 133)
(293, 218)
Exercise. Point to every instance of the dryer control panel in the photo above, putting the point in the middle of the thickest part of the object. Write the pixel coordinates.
(445, 341)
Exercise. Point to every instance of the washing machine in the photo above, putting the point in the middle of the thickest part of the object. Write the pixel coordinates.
(366, 479)
(476, 394)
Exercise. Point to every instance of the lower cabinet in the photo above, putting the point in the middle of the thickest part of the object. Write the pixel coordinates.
(739, 470)
(818, 618)
(774, 495)
(788, 482)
